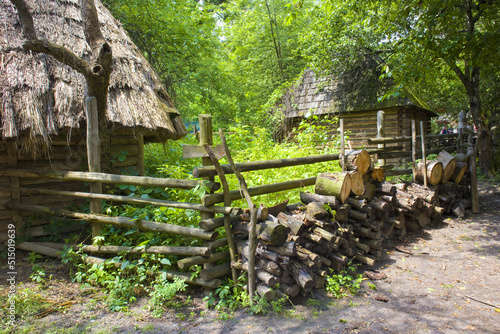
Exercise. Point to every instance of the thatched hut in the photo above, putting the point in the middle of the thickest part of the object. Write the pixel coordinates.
(355, 95)
(42, 101)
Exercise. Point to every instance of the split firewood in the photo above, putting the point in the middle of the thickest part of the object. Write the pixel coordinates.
(276, 209)
(290, 290)
(295, 225)
(271, 267)
(433, 172)
(266, 278)
(378, 174)
(449, 163)
(360, 204)
(332, 201)
(302, 276)
(358, 160)
(266, 292)
(317, 210)
(386, 187)
(262, 213)
(287, 249)
(357, 183)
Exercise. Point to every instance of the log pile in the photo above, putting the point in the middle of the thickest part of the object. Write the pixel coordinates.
(299, 245)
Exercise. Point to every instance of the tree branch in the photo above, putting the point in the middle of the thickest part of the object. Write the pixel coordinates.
(26, 19)
(101, 50)
(60, 53)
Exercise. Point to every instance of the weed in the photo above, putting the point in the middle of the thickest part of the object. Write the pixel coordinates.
(345, 283)
(163, 293)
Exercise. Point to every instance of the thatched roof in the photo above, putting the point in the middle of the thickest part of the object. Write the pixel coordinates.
(39, 96)
(356, 89)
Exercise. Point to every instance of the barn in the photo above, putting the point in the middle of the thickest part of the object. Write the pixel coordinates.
(42, 117)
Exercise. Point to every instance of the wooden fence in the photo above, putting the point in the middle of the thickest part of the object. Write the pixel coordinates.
(215, 264)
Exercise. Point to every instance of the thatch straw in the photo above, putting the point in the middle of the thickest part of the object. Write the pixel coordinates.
(39, 96)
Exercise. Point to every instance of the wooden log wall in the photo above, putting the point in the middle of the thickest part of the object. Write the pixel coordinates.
(67, 153)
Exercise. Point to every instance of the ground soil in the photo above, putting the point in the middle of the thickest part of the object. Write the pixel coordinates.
(443, 279)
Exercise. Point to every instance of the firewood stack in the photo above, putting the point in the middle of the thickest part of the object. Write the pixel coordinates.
(299, 245)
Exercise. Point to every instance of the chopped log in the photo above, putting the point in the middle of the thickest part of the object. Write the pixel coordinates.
(433, 171)
(342, 213)
(334, 184)
(449, 163)
(380, 204)
(295, 225)
(386, 187)
(398, 220)
(262, 213)
(364, 259)
(357, 184)
(266, 292)
(267, 278)
(360, 204)
(269, 266)
(459, 172)
(317, 210)
(401, 186)
(378, 174)
(370, 190)
(188, 262)
(277, 208)
(290, 290)
(361, 216)
(211, 224)
(372, 243)
(287, 249)
(272, 233)
(367, 233)
(302, 276)
(411, 224)
(216, 271)
(332, 201)
(213, 245)
(358, 160)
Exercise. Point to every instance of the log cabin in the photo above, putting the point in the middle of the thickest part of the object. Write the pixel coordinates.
(356, 96)
(42, 116)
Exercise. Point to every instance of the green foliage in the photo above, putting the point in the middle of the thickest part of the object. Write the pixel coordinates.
(33, 257)
(163, 293)
(38, 275)
(344, 283)
(232, 296)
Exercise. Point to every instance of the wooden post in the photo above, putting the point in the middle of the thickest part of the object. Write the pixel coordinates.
(461, 131)
(342, 145)
(424, 157)
(140, 154)
(205, 137)
(94, 157)
(471, 152)
(380, 132)
(414, 147)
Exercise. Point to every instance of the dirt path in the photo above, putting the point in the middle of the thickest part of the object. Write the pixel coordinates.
(427, 291)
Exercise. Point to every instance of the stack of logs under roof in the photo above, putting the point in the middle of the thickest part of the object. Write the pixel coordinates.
(348, 218)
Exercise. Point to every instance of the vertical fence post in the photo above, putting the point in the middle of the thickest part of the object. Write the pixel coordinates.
(342, 144)
(471, 151)
(205, 137)
(424, 157)
(414, 147)
(380, 132)
(94, 157)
